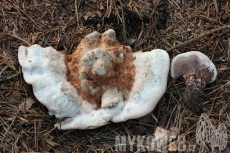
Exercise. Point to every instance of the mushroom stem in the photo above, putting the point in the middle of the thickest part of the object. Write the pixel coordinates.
(198, 82)
(193, 93)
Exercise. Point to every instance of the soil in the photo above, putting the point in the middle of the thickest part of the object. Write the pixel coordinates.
(176, 26)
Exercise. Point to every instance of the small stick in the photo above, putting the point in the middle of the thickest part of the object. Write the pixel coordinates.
(27, 16)
(35, 134)
(126, 130)
(15, 36)
(198, 38)
(123, 21)
(155, 7)
(190, 128)
(10, 77)
(110, 8)
(13, 121)
(117, 11)
(216, 6)
(77, 14)
(3, 70)
(170, 117)
(48, 132)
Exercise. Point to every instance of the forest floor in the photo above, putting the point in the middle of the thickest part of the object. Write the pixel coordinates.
(176, 26)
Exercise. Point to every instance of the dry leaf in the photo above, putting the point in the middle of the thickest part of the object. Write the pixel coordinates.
(50, 142)
(93, 14)
(42, 145)
(15, 96)
(26, 105)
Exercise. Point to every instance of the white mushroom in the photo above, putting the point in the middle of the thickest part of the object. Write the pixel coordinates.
(149, 85)
(101, 81)
(197, 70)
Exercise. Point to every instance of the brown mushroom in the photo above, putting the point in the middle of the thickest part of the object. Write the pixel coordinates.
(197, 70)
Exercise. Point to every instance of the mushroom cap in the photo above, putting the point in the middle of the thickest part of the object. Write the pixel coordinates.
(45, 70)
(193, 63)
(149, 85)
(60, 81)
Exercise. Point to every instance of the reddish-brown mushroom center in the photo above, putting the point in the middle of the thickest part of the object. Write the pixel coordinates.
(123, 79)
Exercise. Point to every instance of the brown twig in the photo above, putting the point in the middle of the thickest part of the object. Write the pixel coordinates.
(10, 77)
(126, 130)
(216, 6)
(123, 22)
(3, 70)
(27, 15)
(18, 38)
(190, 128)
(170, 117)
(13, 121)
(155, 7)
(198, 38)
(76, 13)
